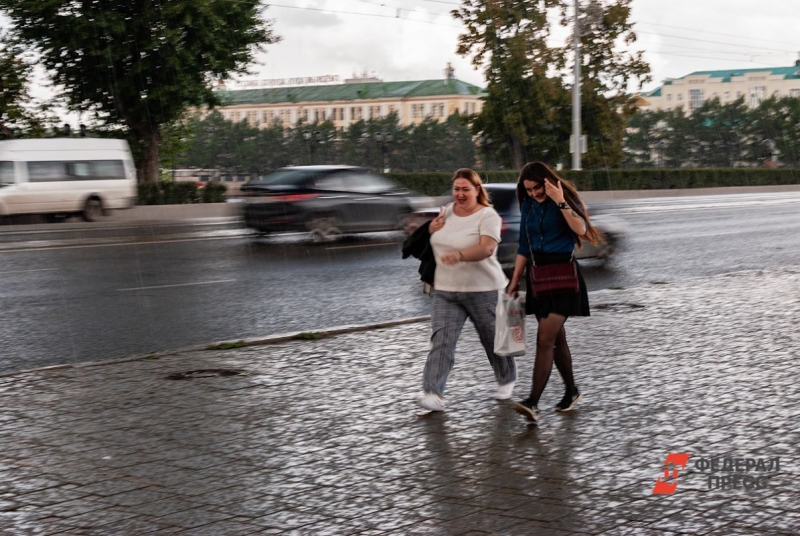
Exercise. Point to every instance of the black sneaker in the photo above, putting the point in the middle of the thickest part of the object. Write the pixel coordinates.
(528, 409)
(569, 401)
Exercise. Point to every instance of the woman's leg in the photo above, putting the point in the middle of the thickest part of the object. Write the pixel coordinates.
(563, 360)
(481, 309)
(447, 319)
(549, 328)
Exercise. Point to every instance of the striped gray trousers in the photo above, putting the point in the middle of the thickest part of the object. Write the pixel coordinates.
(450, 311)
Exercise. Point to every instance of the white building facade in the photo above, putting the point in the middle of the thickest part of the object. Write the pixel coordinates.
(754, 85)
(355, 100)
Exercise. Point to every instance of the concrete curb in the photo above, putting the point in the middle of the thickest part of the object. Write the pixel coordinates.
(239, 343)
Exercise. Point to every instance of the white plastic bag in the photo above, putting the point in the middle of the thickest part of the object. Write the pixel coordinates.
(509, 332)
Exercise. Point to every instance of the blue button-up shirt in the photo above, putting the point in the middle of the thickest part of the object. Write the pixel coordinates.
(547, 228)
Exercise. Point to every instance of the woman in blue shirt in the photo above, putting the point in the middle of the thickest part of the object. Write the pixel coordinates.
(554, 220)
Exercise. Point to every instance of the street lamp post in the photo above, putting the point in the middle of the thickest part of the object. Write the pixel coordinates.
(312, 139)
(384, 139)
(576, 145)
(485, 143)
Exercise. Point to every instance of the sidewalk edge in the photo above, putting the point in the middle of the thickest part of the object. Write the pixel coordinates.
(240, 343)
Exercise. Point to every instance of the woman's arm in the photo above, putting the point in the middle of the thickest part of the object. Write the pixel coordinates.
(519, 266)
(483, 250)
(575, 222)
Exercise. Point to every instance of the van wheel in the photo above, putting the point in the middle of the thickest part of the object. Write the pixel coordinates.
(93, 209)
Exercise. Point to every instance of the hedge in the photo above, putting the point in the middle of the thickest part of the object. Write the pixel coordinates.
(180, 193)
(621, 179)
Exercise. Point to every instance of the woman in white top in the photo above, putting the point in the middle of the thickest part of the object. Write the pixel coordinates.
(464, 238)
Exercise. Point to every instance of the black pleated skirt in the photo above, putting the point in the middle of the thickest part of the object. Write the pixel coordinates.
(569, 305)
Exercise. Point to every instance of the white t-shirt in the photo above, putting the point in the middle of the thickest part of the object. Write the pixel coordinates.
(462, 232)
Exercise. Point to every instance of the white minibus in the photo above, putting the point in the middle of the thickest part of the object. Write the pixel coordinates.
(59, 177)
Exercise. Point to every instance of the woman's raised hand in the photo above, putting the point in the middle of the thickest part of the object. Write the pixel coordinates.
(437, 222)
(554, 190)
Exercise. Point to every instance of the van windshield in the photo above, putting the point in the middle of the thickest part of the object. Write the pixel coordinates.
(6, 173)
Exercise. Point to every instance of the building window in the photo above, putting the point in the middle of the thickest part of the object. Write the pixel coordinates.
(757, 94)
(413, 111)
(696, 98)
(341, 114)
(669, 97)
(776, 93)
(680, 97)
(738, 94)
(441, 109)
(726, 95)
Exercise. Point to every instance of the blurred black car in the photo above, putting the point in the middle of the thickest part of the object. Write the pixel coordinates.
(327, 201)
(504, 199)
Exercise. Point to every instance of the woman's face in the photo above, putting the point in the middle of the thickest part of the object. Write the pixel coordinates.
(464, 193)
(535, 190)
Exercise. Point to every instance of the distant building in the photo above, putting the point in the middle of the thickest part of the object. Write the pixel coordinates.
(692, 90)
(359, 98)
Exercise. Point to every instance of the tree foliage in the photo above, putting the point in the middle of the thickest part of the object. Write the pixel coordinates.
(19, 114)
(716, 135)
(140, 63)
(527, 108)
(238, 148)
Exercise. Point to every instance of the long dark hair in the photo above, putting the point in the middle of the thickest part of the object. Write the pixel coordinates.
(537, 172)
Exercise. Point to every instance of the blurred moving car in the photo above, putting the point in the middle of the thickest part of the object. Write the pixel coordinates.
(327, 201)
(504, 199)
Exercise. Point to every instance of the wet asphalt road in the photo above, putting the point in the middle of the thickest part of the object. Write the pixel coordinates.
(87, 292)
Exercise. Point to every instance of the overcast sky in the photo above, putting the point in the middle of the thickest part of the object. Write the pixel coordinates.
(415, 39)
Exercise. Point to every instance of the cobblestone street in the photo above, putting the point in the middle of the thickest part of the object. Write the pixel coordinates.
(322, 436)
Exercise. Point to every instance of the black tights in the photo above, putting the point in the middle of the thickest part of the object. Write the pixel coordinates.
(551, 346)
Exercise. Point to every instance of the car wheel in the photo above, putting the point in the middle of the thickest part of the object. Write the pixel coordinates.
(324, 229)
(93, 209)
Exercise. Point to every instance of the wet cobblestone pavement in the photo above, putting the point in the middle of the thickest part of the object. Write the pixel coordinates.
(322, 436)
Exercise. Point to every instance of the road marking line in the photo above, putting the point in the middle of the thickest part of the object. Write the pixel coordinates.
(177, 285)
(79, 246)
(26, 271)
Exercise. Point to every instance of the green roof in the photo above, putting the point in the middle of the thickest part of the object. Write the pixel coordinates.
(788, 73)
(349, 92)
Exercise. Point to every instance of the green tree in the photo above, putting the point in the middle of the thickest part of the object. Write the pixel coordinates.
(214, 142)
(777, 120)
(718, 133)
(607, 70)
(527, 108)
(523, 104)
(19, 114)
(141, 63)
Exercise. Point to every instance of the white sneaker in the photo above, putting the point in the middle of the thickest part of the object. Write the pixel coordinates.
(504, 392)
(431, 402)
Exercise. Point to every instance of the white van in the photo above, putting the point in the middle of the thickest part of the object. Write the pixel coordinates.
(64, 176)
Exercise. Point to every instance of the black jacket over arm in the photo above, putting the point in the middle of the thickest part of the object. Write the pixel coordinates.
(418, 245)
